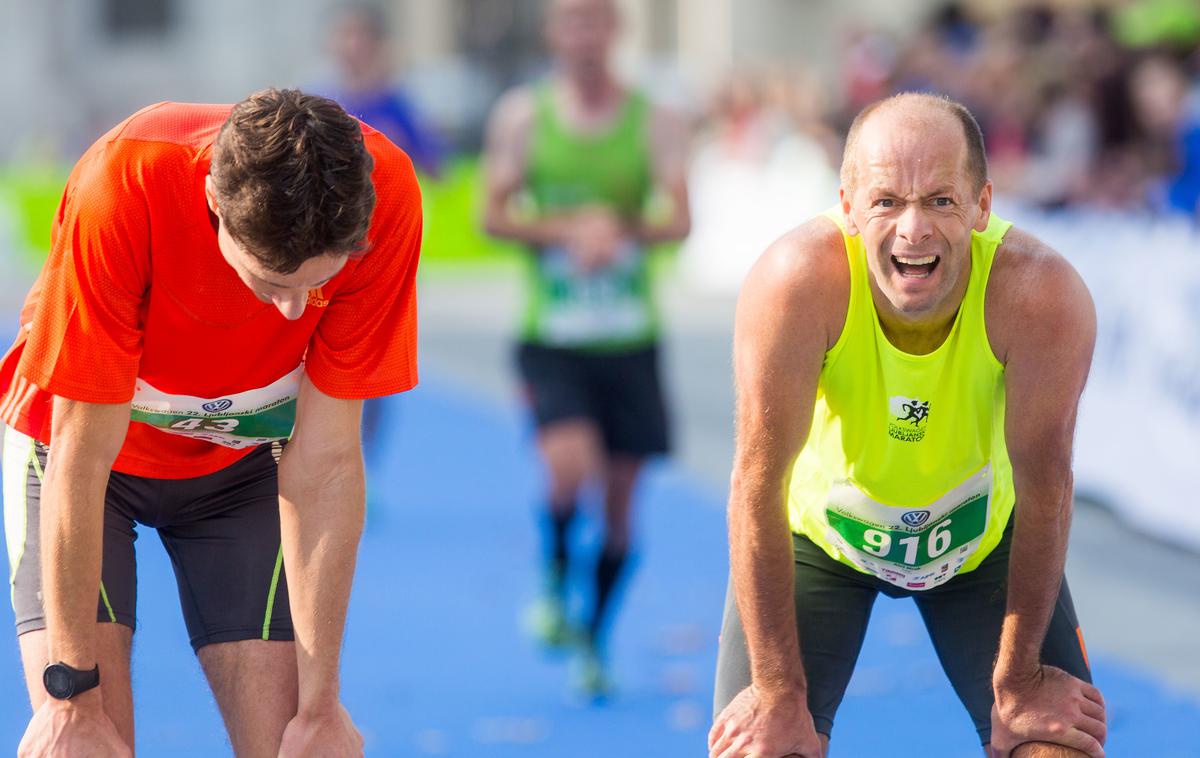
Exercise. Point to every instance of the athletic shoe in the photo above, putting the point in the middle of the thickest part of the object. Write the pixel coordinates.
(590, 674)
(546, 621)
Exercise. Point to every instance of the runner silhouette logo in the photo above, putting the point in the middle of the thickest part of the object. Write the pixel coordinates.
(915, 411)
(907, 414)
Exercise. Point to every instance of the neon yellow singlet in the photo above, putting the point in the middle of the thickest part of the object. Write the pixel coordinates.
(905, 474)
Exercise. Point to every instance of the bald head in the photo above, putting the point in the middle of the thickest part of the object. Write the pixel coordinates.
(917, 116)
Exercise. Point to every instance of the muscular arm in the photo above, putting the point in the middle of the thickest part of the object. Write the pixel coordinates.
(1042, 325)
(1045, 370)
(790, 310)
(321, 505)
(87, 439)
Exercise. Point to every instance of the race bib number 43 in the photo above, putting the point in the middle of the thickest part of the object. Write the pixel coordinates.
(240, 420)
(913, 548)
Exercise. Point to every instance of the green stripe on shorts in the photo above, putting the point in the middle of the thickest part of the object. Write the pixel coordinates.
(266, 635)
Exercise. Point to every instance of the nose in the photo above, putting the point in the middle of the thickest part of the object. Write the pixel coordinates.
(913, 227)
(291, 305)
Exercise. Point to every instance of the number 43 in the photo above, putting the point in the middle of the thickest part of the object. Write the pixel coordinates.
(880, 543)
(208, 425)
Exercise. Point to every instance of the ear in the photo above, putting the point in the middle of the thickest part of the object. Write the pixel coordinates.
(985, 208)
(210, 194)
(844, 199)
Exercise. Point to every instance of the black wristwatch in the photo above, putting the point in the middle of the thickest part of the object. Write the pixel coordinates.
(64, 682)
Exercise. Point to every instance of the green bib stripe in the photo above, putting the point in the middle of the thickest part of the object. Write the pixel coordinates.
(905, 474)
(608, 310)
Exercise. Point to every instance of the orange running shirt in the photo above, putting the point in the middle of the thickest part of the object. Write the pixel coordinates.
(136, 301)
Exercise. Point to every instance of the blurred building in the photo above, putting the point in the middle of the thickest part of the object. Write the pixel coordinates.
(74, 67)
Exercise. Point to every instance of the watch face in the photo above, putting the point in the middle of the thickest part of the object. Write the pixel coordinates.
(58, 682)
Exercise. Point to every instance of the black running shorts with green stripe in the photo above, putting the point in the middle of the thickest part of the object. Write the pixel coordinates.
(221, 532)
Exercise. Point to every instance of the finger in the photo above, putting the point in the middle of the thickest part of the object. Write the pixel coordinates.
(721, 745)
(717, 731)
(1092, 693)
(1081, 740)
(1094, 727)
(735, 750)
(1092, 709)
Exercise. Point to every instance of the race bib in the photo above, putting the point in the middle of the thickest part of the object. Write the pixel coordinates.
(913, 548)
(598, 306)
(239, 421)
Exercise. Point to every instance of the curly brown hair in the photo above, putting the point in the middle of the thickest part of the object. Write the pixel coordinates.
(293, 178)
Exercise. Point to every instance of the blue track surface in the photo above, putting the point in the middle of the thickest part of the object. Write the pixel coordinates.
(436, 663)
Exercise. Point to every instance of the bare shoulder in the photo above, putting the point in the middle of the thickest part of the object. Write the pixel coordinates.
(1035, 295)
(514, 111)
(803, 277)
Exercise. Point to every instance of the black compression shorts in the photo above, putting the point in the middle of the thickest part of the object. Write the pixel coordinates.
(221, 532)
(619, 391)
(963, 616)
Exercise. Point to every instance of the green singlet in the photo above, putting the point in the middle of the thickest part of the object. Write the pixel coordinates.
(905, 474)
(610, 309)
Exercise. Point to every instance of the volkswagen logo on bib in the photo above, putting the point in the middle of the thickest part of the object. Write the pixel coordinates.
(216, 406)
(915, 518)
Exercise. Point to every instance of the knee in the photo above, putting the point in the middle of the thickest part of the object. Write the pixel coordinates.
(565, 483)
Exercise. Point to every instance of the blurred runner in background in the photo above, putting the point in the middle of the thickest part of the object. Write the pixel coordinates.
(572, 163)
(367, 87)
(896, 436)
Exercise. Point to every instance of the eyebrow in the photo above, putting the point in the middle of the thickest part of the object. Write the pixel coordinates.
(940, 191)
(321, 283)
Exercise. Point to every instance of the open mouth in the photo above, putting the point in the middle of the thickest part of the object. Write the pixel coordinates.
(916, 268)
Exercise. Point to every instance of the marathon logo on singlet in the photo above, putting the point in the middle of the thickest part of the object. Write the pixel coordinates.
(913, 548)
(238, 421)
(908, 414)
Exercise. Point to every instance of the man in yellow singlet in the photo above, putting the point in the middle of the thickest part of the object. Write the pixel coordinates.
(908, 369)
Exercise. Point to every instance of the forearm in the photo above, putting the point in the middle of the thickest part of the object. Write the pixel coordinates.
(763, 570)
(536, 232)
(656, 232)
(72, 533)
(1036, 561)
(87, 439)
(321, 511)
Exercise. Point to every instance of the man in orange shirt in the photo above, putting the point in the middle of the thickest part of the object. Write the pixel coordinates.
(224, 288)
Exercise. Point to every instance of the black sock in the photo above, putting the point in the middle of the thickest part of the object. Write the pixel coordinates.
(608, 573)
(560, 520)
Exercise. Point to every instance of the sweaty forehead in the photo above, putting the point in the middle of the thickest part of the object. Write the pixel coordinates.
(912, 153)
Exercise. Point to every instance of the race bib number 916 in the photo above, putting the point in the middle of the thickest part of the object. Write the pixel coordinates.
(913, 548)
(239, 421)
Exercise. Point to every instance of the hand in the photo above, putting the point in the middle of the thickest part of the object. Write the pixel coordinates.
(594, 237)
(76, 728)
(328, 733)
(1048, 706)
(763, 726)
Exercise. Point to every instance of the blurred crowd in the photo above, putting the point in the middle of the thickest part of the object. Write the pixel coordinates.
(1079, 105)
